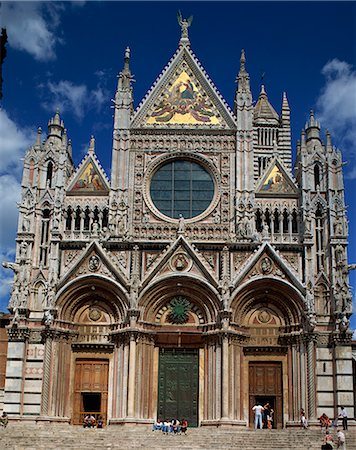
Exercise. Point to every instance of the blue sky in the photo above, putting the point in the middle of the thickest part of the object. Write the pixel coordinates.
(67, 55)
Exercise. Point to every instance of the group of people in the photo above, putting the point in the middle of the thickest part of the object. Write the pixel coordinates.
(4, 420)
(329, 440)
(263, 416)
(91, 422)
(325, 421)
(171, 426)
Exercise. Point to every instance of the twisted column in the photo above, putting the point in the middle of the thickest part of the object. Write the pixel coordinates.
(46, 376)
(311, 378)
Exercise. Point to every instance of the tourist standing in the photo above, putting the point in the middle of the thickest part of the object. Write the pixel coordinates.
(343, 416)
(258, 409)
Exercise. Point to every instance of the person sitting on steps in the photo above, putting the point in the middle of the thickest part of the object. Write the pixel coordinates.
(4, 420)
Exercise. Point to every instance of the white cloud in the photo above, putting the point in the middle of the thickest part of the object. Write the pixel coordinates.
(67, 96)
(337, 107)
(32, 27)
(14, 141)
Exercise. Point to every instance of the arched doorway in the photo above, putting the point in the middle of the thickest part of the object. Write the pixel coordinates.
(179, 309)
(88, 308)
(270, 312)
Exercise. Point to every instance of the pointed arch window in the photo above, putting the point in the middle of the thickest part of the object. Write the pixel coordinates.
(276, 221)
(87, 218)
(285, 221)
(268, 219)
(69, 214)
(258, 220)
(31, 172)
(77, 218)
(317, 176)
(319, 236)
(49, 174)
(294, 221)
(44, 243)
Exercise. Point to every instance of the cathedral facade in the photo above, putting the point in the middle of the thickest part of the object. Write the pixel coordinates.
(201, 278)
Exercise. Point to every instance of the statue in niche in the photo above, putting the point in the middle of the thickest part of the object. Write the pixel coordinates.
(344, 324)
(47, 318)
(26, 225)
(23, 250)
(95, 228)
(181, 224)
(339, 255)
(244, 228)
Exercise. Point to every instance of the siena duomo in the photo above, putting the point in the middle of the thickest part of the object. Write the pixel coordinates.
(203, 275)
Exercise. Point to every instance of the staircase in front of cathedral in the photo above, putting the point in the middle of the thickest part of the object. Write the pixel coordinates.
(20, 436)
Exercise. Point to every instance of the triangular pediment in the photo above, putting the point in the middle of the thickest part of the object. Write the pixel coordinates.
(179, 258)
(93, 260)
(183, 97)
(276, 181)
(89, 178)
(266, 262)
(46, 198)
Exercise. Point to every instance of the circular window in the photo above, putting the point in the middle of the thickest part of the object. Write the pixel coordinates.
(181, 187)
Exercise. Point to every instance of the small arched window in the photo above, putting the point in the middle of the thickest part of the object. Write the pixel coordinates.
(294, 221)
(258, 221)
(316, 176)
(31, 172)
(44, 244)
(276, 221)
(49, 173)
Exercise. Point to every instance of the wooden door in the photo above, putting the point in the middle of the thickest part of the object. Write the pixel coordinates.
(178, 385)
(265, 385)
(90, 388)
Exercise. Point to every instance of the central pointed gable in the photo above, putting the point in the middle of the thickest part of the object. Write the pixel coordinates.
(276, 181)
(183, 96)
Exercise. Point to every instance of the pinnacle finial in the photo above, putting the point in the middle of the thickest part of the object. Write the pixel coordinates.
(242, 59)
(92, 144)
(184, 24)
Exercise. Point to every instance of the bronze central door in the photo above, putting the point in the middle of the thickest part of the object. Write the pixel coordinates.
(90, 389)
(265, 385)
(178, 385)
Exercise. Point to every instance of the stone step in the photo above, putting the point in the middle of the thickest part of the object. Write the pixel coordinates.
(20, 436)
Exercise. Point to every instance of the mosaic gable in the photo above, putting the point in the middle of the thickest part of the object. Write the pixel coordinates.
(184, 102)
(88, 181)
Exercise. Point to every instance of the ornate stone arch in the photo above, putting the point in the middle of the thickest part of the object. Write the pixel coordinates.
(275, 296)
(155, 300)
(92, 291)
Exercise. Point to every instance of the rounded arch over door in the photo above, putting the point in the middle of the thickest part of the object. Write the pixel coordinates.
(89, 291)
(202, 297)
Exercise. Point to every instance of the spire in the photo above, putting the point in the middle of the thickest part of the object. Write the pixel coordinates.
(38, 138)
(263, 109)
(55, 126)
(285, 116)
(125, 76)
(123, 97)
(69, 148)
(243, 97)
(312, 127)
(243, 78)
(184, 24)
